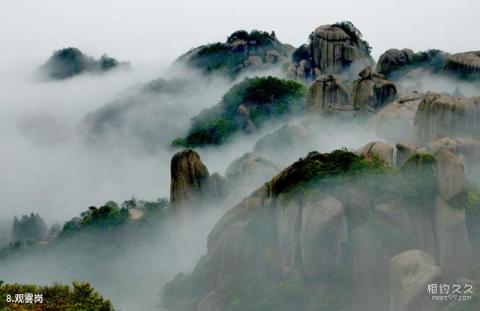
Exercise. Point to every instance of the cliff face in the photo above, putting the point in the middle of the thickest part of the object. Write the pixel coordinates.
(323, 226)
(328, 95)
(441, 116)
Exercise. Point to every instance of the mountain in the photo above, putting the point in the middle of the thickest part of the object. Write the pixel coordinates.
(69, 62)
(241, 52)
(244, 109)
(330, 224)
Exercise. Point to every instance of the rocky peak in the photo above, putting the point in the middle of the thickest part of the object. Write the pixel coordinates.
(190, 180)
(333, 49)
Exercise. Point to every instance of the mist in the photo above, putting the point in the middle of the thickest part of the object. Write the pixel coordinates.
(53, 161)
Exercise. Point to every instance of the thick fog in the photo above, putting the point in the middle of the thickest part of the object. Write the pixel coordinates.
(37, 119)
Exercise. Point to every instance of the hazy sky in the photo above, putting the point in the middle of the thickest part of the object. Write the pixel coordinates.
(144, 30)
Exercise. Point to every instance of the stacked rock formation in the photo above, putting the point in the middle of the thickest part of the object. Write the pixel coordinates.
(328, 95)
(372, 91)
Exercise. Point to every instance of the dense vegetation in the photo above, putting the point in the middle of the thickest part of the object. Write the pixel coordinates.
(249, 103)
(69, 62)
(228, 58)
(109, 217)
(79, 297)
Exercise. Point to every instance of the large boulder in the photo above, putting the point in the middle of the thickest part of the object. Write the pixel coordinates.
(467, 148)
(395, 121)
(405, 64)
(393, 59)
(466, 64)
(442, 116)
(410, 273)
(327, 95)
(372, 91)
(191, 182)
(379, 149)
(332, 49)
(336, 47)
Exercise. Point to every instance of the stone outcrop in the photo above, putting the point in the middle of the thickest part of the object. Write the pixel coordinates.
(394, 59)
(395, 122)
(466, 64)
(191, 182)
(467, 148)
(327, 95)
(333, 49)
(380, 149)
(410, 273)
(406, 64)
(313, 221)
(441, 116)
(372, 91)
